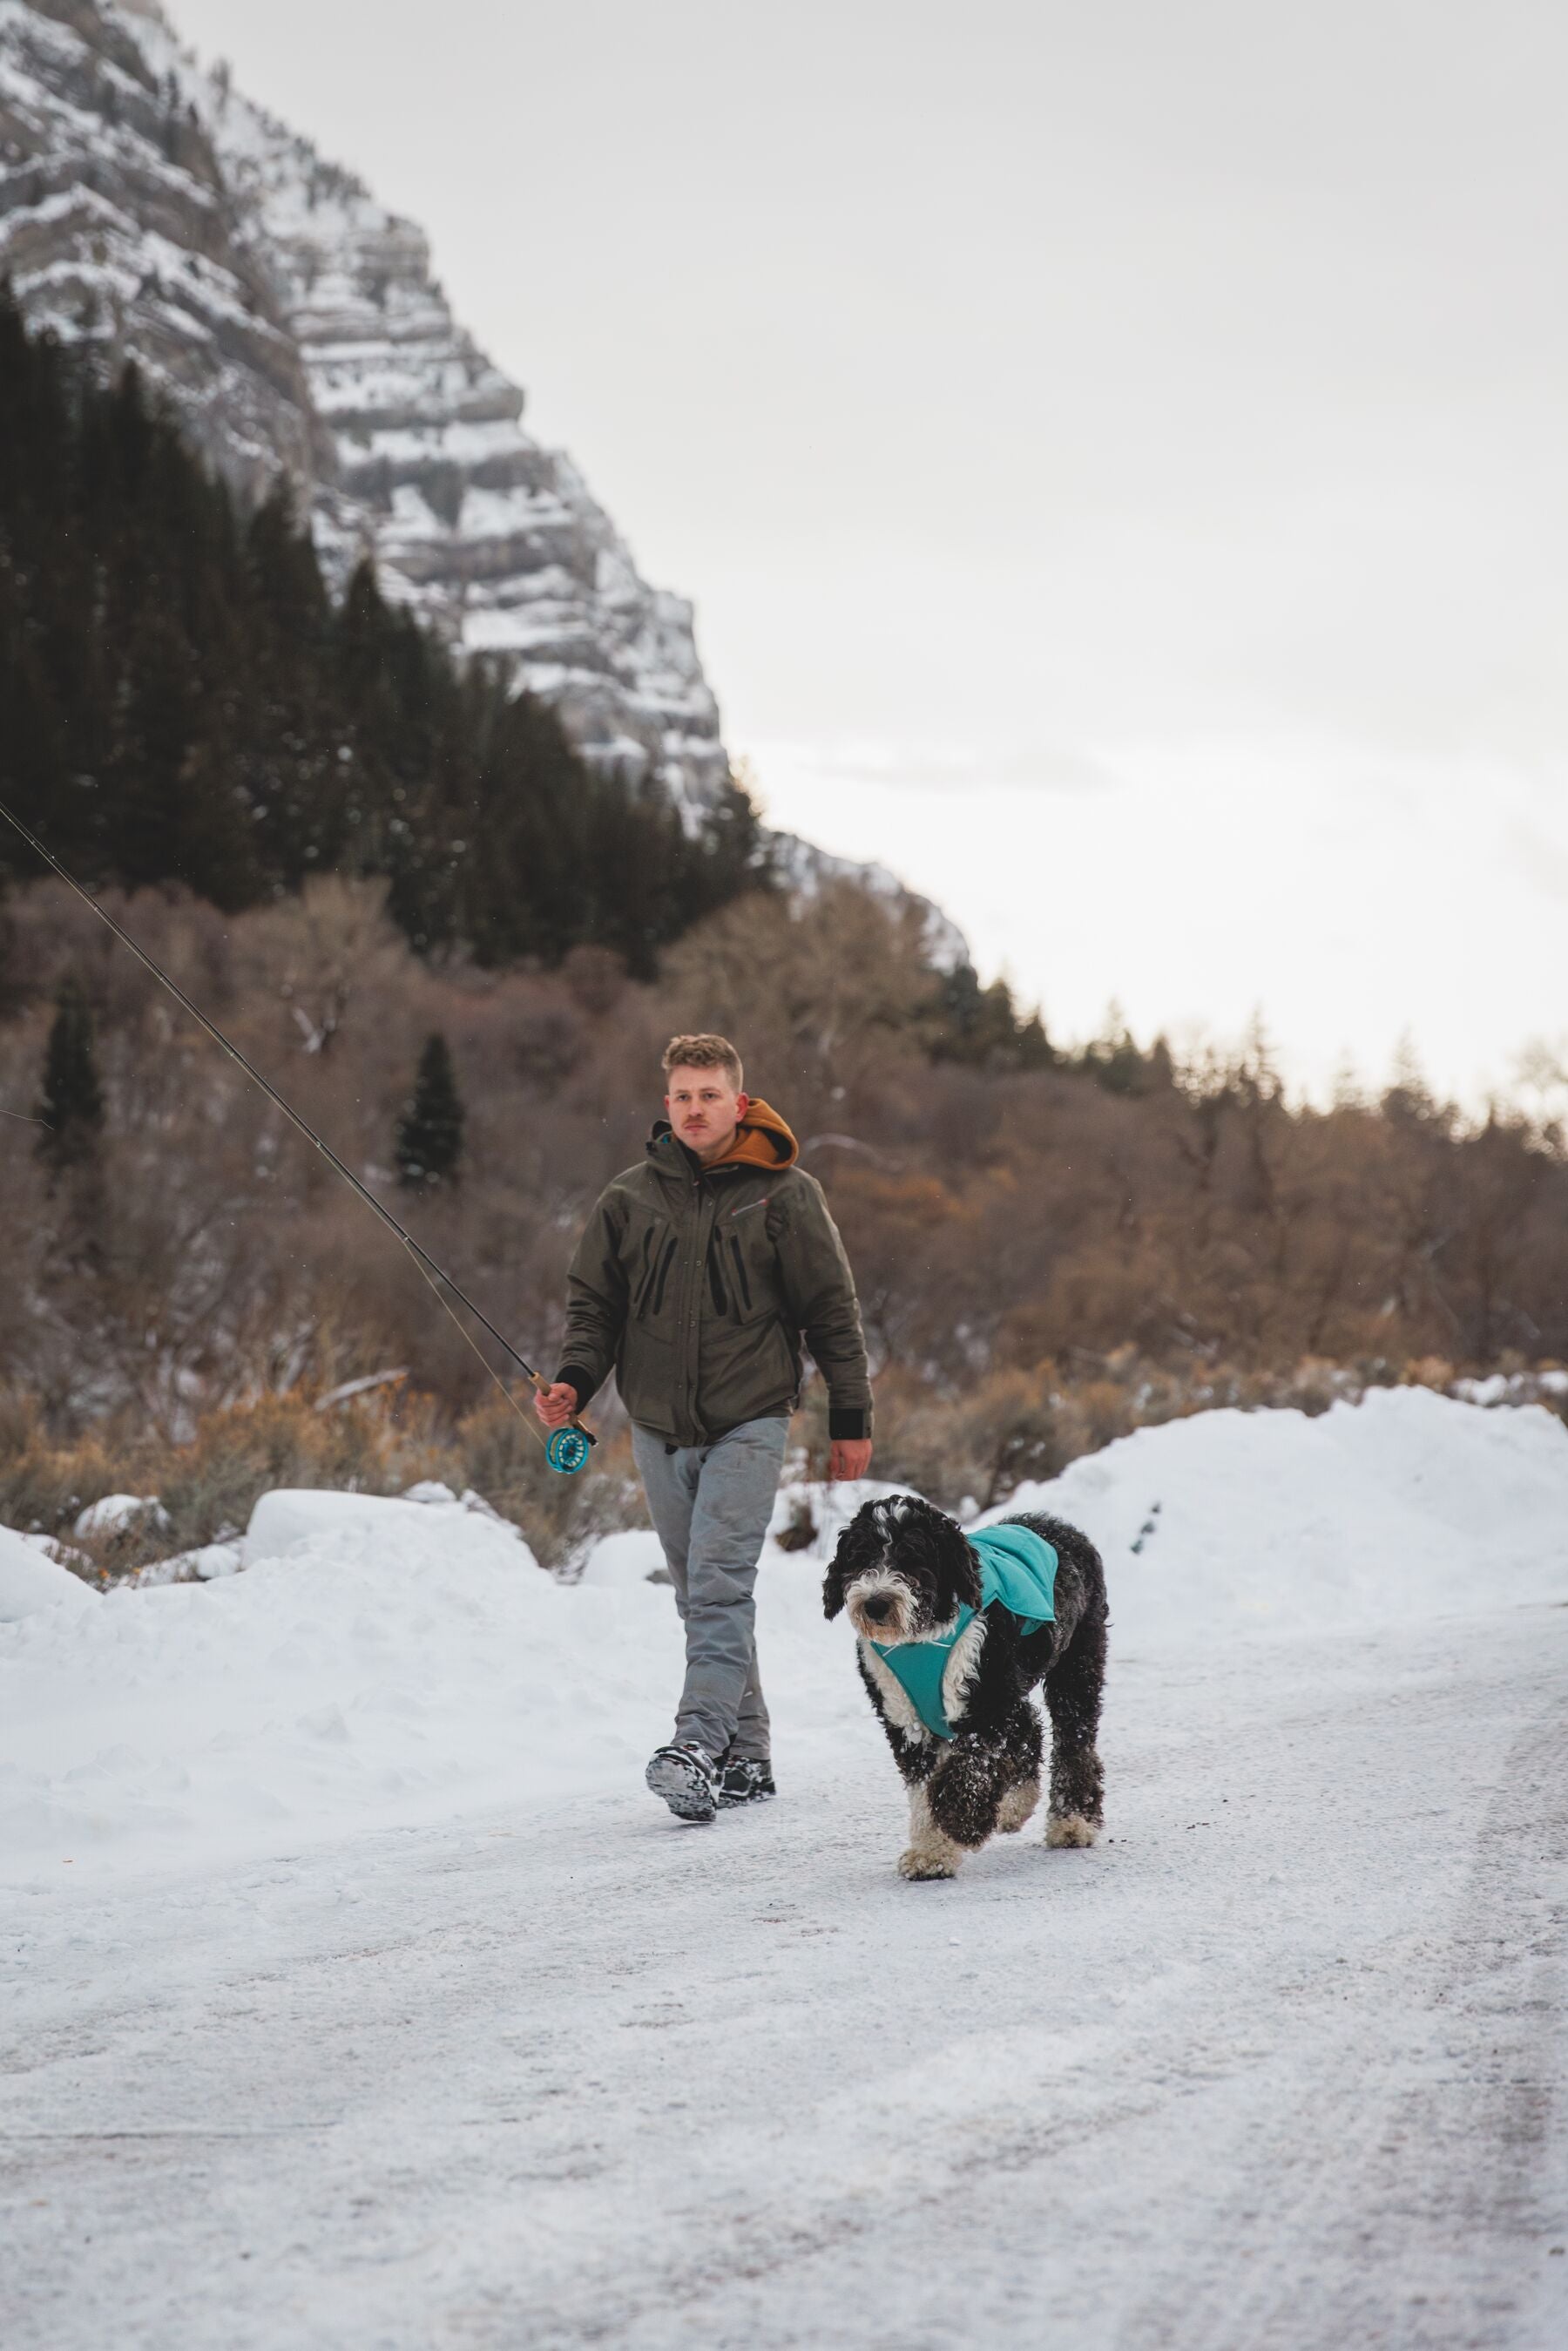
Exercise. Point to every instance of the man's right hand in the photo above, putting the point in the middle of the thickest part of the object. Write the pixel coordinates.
(556, 1405)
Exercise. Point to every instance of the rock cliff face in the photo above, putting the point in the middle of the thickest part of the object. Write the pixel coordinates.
(118, 229)
(151, 212)
(148, 208)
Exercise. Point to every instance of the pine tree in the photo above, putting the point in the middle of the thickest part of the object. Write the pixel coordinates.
(183, 701)
(71, 1104)
(983, 1027)
(429, 1131)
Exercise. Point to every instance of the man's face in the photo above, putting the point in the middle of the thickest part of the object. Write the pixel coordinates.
(704, 1110)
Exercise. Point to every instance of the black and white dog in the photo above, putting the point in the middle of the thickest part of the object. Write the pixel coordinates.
(904, 1571)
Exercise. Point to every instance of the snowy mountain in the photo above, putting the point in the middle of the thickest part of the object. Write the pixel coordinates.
(147, 207)
(149, 211)
(118, 229)
(804, 869)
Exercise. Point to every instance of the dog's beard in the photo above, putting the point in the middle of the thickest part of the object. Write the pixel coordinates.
(898, 1624)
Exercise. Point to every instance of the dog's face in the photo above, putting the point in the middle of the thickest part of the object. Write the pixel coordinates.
(901, 1570)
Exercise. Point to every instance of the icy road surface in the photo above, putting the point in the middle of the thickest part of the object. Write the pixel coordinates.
(1282, 2063)
(357, 1994)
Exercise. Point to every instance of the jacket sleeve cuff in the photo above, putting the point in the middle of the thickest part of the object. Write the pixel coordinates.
(847, 1423)
(584, 1381)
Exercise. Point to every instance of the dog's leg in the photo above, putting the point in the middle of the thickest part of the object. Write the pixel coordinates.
(930, 1853)
(1021, 1765)
(1072, 1693)
(1016, 1809)
(964, 1793)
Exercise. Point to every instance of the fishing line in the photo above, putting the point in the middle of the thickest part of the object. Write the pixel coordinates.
(566, 1449)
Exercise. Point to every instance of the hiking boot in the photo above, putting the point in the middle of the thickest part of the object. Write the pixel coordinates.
(686, 1778)
(745, 1782)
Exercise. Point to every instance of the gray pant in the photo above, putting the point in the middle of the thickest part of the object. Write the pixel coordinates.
(711, 1505)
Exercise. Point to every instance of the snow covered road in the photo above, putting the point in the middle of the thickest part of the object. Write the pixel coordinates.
(1281, 2063)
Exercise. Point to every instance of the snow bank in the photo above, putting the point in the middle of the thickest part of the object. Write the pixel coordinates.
(1405, 1505)
(291, 1515)
(115, 1513)
(30, 1581)
(208, 1560)
(617, 1562)
(1512, 1387)
(383, 1663)
(389, 1662)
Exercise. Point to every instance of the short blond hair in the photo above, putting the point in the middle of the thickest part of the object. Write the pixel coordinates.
(704, 1053)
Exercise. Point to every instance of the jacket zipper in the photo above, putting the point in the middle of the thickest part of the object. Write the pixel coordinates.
(746, 1287)
(715, 1275)
(646, 1274)
(663, 1275)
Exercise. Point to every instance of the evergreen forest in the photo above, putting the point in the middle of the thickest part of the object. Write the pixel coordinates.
(185, 702)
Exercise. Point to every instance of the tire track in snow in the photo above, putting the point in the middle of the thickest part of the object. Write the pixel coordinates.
(1207, 2069)
(1421, 2189)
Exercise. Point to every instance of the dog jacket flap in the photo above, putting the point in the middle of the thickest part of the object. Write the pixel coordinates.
(1018, 1568)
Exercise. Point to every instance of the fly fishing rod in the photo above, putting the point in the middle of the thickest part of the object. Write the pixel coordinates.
(566, 1448)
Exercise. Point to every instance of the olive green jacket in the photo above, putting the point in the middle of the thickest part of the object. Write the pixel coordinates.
(696, 1286)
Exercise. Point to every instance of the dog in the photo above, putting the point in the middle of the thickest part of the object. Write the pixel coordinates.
(906, 1572)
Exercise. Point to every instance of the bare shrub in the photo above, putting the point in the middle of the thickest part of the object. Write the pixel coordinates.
(1047, 1257)
(561, 1517)
(43, 1485)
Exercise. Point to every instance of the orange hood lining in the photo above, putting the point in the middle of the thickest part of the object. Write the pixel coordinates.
(762, 1140)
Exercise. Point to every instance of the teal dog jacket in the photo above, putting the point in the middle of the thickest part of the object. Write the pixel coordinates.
(1018, 1568)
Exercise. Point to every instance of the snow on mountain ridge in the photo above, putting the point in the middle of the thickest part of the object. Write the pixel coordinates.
(116, 231)
(490, 536)
(806, 870)
(149, 211)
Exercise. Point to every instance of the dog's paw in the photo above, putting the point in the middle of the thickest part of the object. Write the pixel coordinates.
(1016, 1807)
(1070, 1829)
(920, 1861)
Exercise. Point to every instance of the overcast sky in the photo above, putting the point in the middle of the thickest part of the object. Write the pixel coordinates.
(1117, 451)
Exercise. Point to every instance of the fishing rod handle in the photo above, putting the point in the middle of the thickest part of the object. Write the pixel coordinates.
(544, 1386)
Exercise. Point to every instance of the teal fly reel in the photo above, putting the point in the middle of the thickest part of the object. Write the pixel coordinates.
(566, 1449)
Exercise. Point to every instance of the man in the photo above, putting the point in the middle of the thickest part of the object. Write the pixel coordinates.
(697, 1277)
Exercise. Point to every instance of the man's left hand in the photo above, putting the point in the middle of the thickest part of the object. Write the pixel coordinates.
(849, 1458)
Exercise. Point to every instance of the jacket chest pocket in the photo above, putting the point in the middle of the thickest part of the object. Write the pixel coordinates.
(649, 1253)
(742, 1266)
